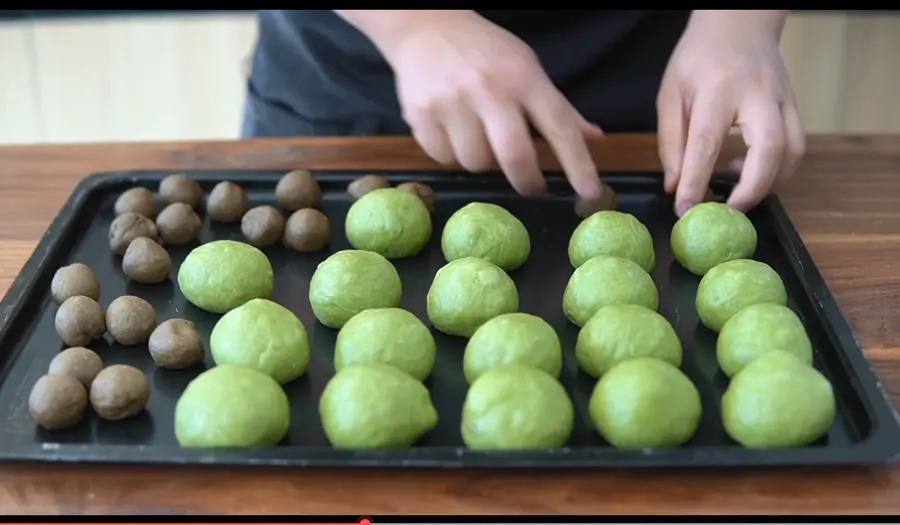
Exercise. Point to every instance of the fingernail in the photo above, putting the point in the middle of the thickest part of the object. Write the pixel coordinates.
(667, 180)
(681, 209)
(737, 164)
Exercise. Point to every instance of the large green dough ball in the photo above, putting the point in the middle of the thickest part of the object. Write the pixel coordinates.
(606, 280)
(468, 292)
(619, 332)
(615, 233)
(351, 281)
(390, 222)
(517, 407)
(375, 407)
(222, 275)
(645, 403)
(778, 401)
(712, 233)
(232, 406)
(486, 231)
(265, 335)
(733, 285)
(389, 336)
(757, 330)
(516, 338)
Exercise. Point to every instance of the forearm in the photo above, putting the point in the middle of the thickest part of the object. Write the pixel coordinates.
(741, 21)
(387, 28)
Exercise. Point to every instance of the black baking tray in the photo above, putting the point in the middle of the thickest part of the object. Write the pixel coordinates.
(866, 429)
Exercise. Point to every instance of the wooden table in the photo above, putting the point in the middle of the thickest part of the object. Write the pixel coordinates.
(845, 202)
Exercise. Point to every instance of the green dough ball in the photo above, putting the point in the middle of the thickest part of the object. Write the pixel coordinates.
(606, 280)
(232, 406)
(712, 233)
(645, 403)
(389, 336)
(620, 332)
(778, 401)
(757, 330)
(733, 285)
(264, 335)
(515, 338)
(375, 407)
(221, 275)
(468, 292)
(517, 407)
(486, 231)
(612, 233)
(390, 222)
(351, 281)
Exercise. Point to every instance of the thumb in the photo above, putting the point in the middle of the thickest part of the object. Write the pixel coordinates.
(671, 130)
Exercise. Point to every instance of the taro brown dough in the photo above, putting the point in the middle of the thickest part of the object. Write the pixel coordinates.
(79, 320)
(128, 227)
(262, 226)
(178, 223)
(119, 392)
(175, 344)
(181, 188)
(227, 202)
(607, 200)
(146, 262)
(57, 401)
(74, 279)
(298, 189)
(365, 184)
(136, 200)
(130, 320)
(423, 191)
(307, 230)
(78, 362)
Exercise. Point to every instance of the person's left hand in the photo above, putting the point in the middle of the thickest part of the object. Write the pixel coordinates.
(727, 70)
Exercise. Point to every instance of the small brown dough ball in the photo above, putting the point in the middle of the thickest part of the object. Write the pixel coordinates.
(607, 201)
(78, 362)
(365, 184)
(227, 202)
(130, 320)
(74, 279)
(423, 191)
(79, 320)
(307, 230)
(298, 189)
(136, 200)
(178, 223)
(175, 344)
(262, 226)
(119, 392)
(128, 227)
(181, 188)
(146, 262)
(57, 401)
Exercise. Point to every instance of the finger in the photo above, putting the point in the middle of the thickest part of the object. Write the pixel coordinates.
(763, 129)
(468, 139)
(433, 139)
(589, 129)
(795, 143)
(710, 119)
(671, 136)
(509, 137)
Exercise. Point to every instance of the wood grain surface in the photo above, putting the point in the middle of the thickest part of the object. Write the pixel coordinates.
(844, 202)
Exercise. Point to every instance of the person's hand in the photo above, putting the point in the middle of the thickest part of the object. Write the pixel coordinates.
(727, 69)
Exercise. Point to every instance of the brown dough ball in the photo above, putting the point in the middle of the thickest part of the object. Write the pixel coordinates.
(175, 344)
(181, 188)
(262, 226)
(606, 201)
(119, 392)
(78, 362)
(136, 200)
(307, 230)
(79, 320)
(423, 191)
(146, 262)
(365, 184)
(74, 279)
(227, 202)
(57, 401)
(298, 189)
(178, 223)
(128, 227)
(130, 320)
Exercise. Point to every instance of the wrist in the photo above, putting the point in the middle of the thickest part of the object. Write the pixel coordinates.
(740, 22)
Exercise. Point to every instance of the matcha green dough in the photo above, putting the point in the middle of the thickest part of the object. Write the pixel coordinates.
(486, 231)
(222, 275)
(232, 406)
(606, 280)
(712, 233)
(517, 407)
(264, 335)
(757, 330)
(375, 406)
(390, 222)
(733, 285)
(645, 403)
(468, 292)
(351, 281)
(778, 401)
(612, 233)
(516, 338)
(387, 336)
(620, 332)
